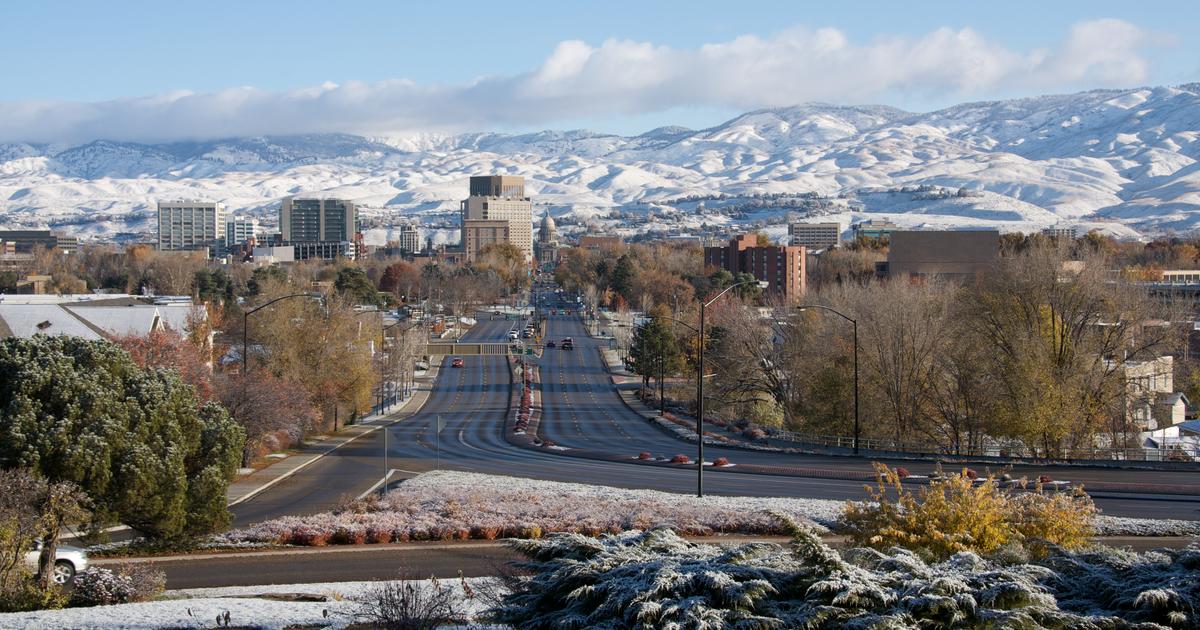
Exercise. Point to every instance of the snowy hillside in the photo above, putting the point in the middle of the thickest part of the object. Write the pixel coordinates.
(1121, 160)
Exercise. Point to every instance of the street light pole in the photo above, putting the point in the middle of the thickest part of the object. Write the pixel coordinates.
(854, 324)
(662, 372)
(700, 385)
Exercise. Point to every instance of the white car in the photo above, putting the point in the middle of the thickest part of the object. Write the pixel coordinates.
(512, 334)
(68, 561)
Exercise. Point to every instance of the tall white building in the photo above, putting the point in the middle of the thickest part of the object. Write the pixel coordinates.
(238, 230)
(190, 225)
(501, 198)
(410, 239)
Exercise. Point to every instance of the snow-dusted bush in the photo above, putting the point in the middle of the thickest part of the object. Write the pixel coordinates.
(412, 604)
(129, 583)
(655, 579)
(957, 514)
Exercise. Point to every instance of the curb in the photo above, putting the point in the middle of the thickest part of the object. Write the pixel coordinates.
(374, 428)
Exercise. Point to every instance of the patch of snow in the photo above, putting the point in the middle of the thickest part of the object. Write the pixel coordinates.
(200, 608)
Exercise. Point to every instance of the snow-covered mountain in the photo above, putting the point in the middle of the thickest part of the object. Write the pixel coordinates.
(1122, 160)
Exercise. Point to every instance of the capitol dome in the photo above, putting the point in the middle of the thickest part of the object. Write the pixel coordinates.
(546, 232)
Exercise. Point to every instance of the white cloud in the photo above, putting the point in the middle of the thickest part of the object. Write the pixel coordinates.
(616, 78)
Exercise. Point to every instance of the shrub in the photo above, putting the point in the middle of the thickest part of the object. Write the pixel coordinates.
(901, 472)
(129, 583)
(721, 461)
(655, 579)
(970, 473)
(20, 593)
(1044, 479)
(644, 455)
(754, 433)
(680, 459)
(412, 604)
(958, 515)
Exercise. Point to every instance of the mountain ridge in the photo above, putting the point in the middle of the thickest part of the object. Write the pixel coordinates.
(1109, 157)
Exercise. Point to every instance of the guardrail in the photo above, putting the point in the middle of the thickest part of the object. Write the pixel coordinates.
(1182, 453)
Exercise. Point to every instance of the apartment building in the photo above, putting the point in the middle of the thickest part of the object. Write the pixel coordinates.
(500, 198)
(1061, 231)
(782, 267)
(239, 230)
(191, 225)
(319, 227)
(815, 235)
(410, 239)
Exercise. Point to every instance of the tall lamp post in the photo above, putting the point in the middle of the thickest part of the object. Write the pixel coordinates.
(700, 384)
(853, 322)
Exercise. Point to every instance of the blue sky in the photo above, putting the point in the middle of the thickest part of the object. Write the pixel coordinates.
(151, 70)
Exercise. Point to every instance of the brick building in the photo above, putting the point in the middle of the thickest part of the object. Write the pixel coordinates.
(781, 266)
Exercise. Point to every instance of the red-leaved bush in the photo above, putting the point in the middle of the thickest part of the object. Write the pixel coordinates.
(970, 473)
(901, 472)
(721, 461)
(644, 455)
(680, 459)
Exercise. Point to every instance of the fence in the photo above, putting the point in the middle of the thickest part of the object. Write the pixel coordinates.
(1185, 452)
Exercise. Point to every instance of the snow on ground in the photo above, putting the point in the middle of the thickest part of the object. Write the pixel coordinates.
(451, 505)
(447, 505)
(199, 608)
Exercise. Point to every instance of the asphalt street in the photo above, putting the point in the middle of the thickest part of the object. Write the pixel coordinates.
(582, 410)
(382, 562)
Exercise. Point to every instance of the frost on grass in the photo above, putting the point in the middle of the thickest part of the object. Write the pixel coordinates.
(655, 579)
(449, 505)
(456, 505)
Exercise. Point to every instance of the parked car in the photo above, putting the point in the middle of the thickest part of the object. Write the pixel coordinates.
(457, 362)
(68, 561)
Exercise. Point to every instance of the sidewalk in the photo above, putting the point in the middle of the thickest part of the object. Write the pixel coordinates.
(244, 488)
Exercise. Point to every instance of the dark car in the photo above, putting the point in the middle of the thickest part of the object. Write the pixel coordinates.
(457, 362)
(567, 344)
(549, 344)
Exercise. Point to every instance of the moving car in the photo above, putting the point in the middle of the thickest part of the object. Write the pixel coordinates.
(512, 334)
(549, 344)
(456, 362)
(567, 344)
(68, 561)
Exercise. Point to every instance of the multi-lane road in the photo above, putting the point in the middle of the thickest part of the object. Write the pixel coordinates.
(582, 411)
